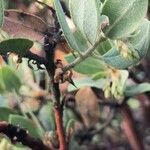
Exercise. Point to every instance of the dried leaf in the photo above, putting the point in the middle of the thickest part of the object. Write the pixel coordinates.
(21, 24)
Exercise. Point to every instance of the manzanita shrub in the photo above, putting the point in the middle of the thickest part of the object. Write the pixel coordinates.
(110, 36)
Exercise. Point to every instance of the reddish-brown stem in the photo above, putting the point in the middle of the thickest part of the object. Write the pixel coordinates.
(130, 129)
(59, 128)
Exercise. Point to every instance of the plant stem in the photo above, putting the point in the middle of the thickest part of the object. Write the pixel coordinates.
(130, 129)
(54, 89)
(85, 55)
(59, 127)
(58, 115)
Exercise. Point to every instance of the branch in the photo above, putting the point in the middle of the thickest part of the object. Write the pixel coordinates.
(17, 134)
(85, 55)
(51, 67)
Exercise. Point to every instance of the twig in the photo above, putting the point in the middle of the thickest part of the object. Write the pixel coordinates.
(85, 55)
(17, 134)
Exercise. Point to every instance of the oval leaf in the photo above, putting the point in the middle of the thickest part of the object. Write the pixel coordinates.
(85, 15)
(137, 89)
(124, 16)
(19, 46)
(66, 30)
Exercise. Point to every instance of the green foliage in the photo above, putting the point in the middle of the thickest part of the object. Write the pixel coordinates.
(104, 47)
(5, 112)
(90, 66)
(19, 46)
(141, 38)
(115, 59)
(137, 89)
(46, 117)
(86, 16)
(81, 41)
(124, 16)
(67, 32)
(137, 47)
(8, 80)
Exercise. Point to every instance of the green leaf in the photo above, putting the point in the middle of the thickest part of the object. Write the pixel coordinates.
(104, 47)
(89, 66)
(85, 15)
(36, 122)
(141, 38)
(66, 30)
(137, 89)
(120, 62)
(100, 75)
(84, 82)
(115, 59)
(46, 117)
(1, 12)
(112, 52)
(5, 112)
(81, 41)
(8, 80)
(24, 123)
(17, 45)
(124, 16)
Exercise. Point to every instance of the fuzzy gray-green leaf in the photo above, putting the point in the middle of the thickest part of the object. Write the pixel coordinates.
(85, 15)
(137, 89)
(124, 16)
(66, 30)
(141, 39)
(89, 66)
